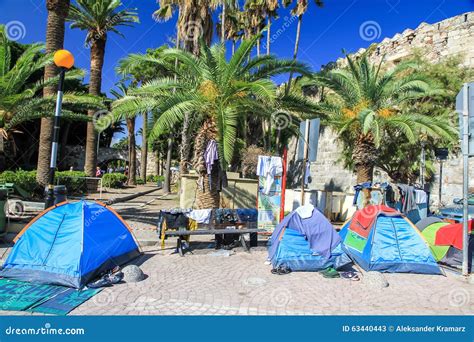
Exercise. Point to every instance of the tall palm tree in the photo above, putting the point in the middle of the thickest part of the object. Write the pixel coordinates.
(363, 107)
(218, 91)
(194, 24)
(119, 93)
(97, 17)
(19, 98)
(57, 13)
(299, 10)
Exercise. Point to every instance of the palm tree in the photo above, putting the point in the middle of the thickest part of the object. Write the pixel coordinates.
(97, 17)
(363, 107)
(194, 21)
(119, 93)
(57, 13)
(218, 91)
(19, 98)
(299, 10)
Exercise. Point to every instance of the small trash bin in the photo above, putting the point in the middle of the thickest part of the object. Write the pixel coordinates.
(3, 201)
(60, 193)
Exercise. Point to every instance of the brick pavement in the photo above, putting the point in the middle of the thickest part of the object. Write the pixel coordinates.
(202, 284)
(241, 284)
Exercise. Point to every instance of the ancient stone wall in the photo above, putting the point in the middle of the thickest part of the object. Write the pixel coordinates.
(453, 36)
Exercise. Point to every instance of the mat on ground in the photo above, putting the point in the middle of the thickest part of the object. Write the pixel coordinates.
(50, 299)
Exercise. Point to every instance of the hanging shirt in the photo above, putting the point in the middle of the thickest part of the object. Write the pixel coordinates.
(420, 196)
(269, 167)
(210, 155)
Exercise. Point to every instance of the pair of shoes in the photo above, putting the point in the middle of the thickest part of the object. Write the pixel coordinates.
(351, 275)
(107, 279)
(330, 273)
(281, 270)
(114, 278)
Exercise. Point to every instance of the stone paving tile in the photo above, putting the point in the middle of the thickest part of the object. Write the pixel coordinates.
(242, 285)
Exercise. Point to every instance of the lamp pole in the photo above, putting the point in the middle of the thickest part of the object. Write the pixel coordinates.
(64, 60)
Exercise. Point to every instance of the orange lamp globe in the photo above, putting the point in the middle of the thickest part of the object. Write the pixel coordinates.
(63, 59)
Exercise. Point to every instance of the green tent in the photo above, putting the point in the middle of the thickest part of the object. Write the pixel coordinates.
(429, 233)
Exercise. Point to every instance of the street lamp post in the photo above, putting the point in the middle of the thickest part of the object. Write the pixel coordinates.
(63, 60)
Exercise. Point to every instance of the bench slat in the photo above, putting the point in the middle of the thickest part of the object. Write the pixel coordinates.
(212, 231)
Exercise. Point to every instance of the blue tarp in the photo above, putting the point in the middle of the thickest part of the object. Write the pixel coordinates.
(70, 245)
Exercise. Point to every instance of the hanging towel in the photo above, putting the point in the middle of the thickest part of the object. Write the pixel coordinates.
(420, 196)
(200, 215)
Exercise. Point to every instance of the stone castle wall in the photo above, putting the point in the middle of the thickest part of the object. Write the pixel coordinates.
(453, 36)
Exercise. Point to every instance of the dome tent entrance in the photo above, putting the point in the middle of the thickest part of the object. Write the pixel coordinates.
(70, 244)
(308, 243)
(381, 239)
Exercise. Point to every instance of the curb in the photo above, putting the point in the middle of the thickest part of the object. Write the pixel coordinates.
(130, 197)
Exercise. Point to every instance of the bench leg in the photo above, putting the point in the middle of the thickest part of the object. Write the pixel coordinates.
(244, 243)
(179, 246)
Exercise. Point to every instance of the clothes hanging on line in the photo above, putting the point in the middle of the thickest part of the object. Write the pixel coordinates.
(210, 155)
(420, 196)
(408, 197)
(269, 167)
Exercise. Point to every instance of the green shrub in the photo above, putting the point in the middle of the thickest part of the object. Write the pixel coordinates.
(73, 180)
(140, 181)
(113, 180)
(154, 178)
(24, 179)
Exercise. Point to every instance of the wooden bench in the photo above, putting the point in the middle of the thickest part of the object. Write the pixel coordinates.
(215, 230)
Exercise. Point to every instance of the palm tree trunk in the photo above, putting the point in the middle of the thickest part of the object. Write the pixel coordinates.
(295, 51)
(57, 13)
(167, 185)
(157, 162)
(233, 46)
(364, 173)
(95, 82)
(364, 155)
(269, 24)
(223, 22)
(2, 153)
(207, 193)
(144, 157)
(185, 146)
(132, 153)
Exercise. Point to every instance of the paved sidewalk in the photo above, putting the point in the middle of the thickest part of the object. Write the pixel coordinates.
(202, 284)
(241, 284)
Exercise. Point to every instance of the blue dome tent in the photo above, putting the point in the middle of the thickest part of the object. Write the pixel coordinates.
(70, 244)
(308, 243)
(381, 239)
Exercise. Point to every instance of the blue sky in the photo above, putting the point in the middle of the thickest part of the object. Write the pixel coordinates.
(325, 31)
